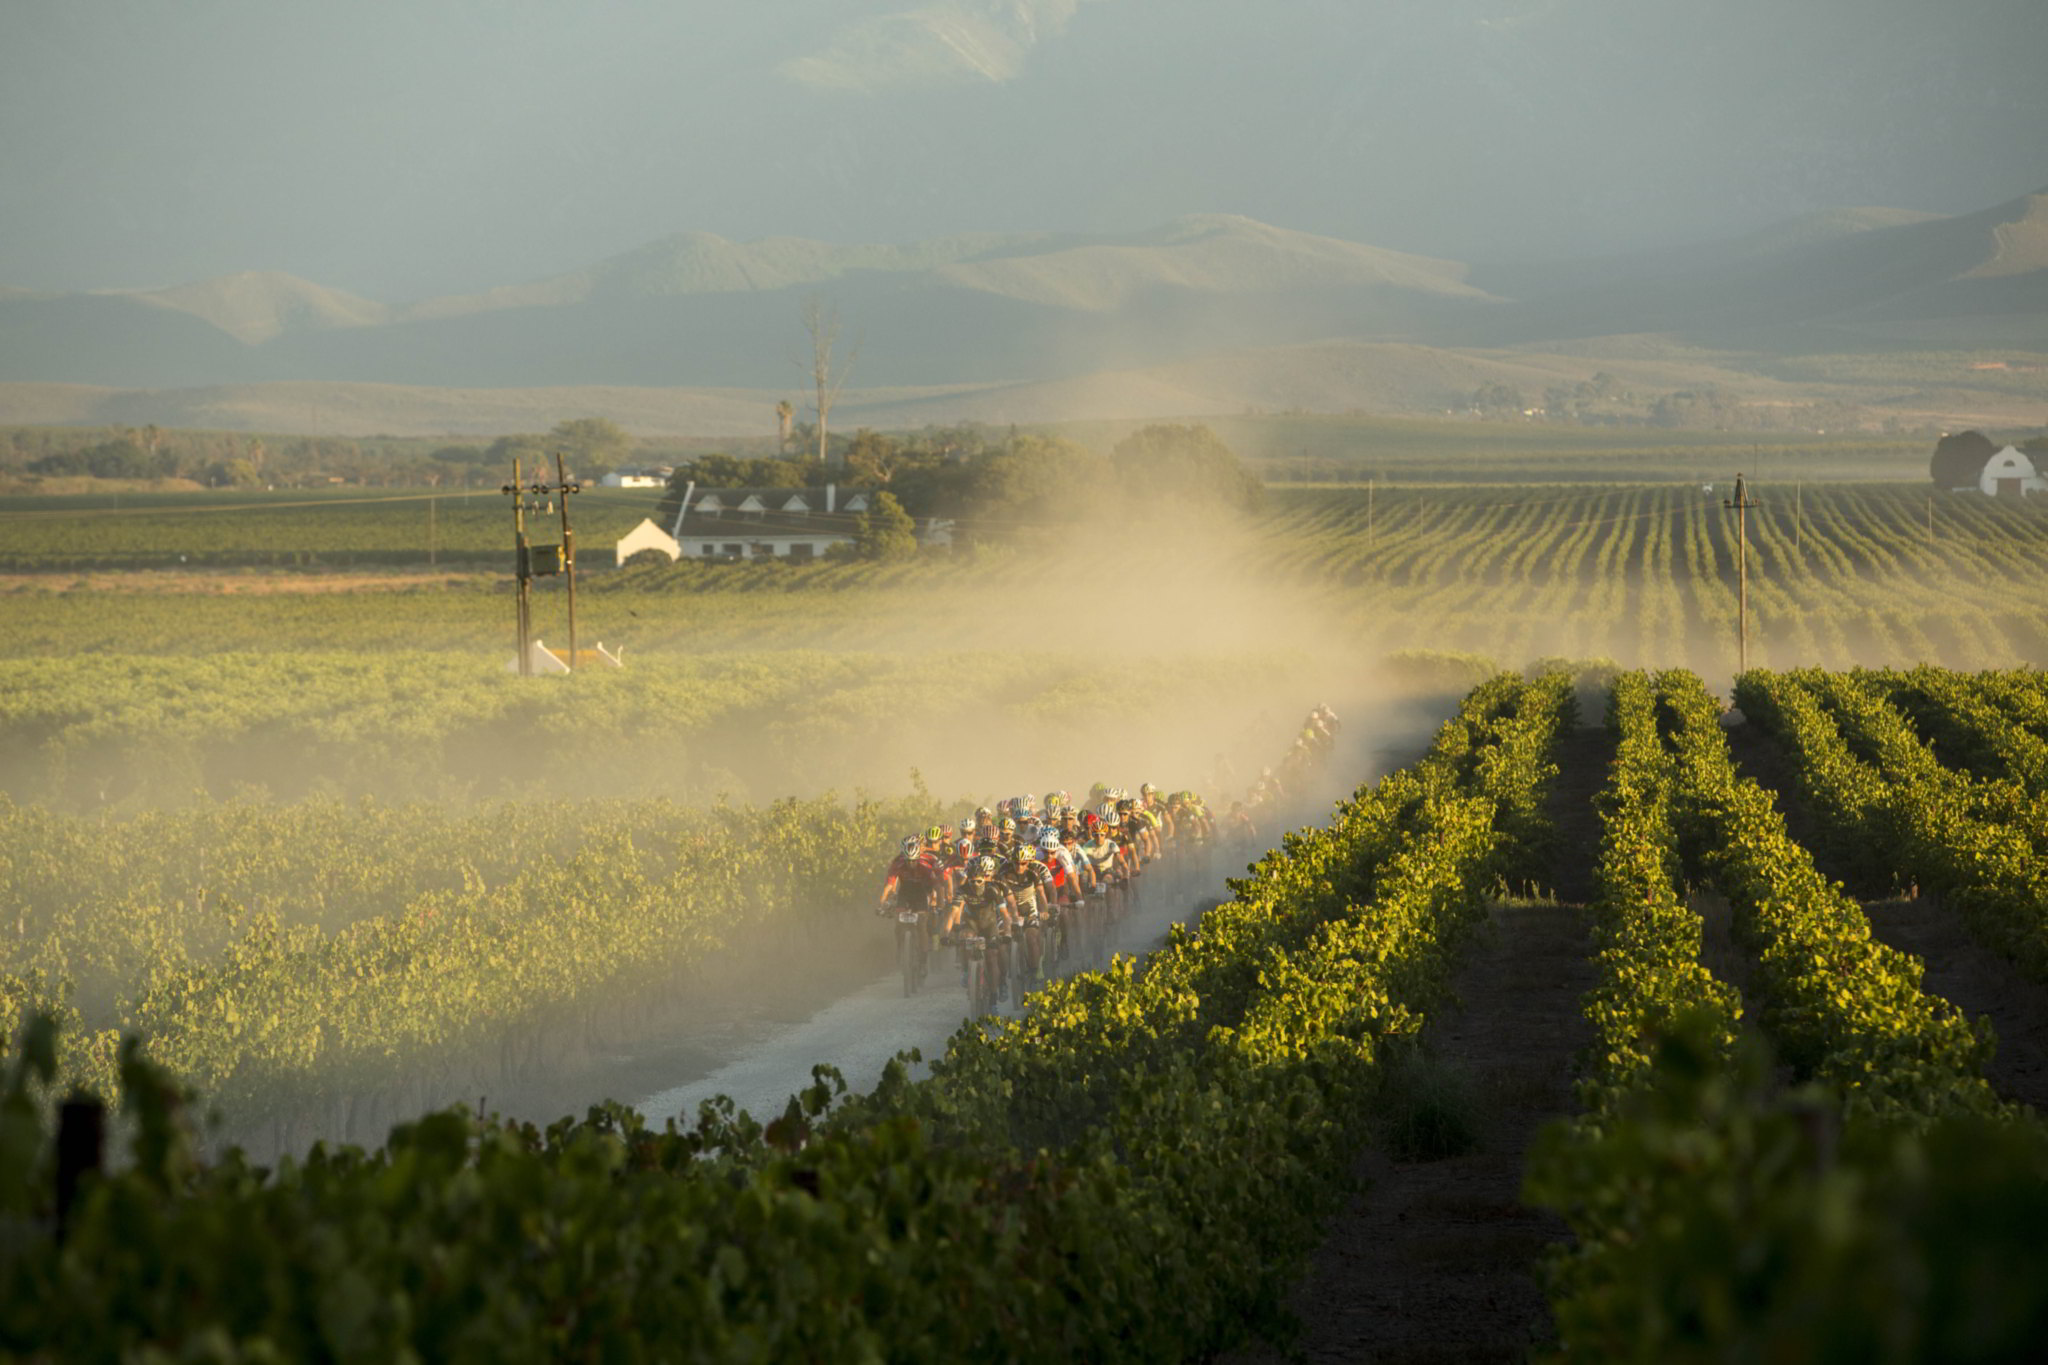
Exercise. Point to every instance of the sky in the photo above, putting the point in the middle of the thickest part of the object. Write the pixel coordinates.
(405, 149)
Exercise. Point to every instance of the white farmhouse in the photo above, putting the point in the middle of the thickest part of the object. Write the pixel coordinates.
(762, 523)
(636, 478)
(728, 524)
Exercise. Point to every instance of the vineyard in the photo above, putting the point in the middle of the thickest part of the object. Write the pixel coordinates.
(1784, 1144)
(1610, 1022)
(129, 732)
(1839, 574)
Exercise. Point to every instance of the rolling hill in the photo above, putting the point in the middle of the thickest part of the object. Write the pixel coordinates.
(1847, 273)
(1205, 314)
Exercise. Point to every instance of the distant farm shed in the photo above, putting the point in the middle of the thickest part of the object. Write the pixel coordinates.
(2011, 473)
(656, 477)
(1969, 462)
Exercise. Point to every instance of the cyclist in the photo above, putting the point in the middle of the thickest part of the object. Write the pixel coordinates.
(913, 879)
(1238, 827)
(1066, 874)
(1140, 829)
(1030, 888)
(983, 908)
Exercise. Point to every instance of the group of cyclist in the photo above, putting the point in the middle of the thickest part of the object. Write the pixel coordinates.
(1031, 882)
(1043, 880)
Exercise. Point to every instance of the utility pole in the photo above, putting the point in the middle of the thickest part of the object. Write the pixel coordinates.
(564, 488)
(1740, 504)
(539, 561)
(521, 569)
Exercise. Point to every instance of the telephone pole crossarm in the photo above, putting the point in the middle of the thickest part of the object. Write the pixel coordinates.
(531, 561)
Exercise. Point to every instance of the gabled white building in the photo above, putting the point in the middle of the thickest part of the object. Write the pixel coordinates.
(2011, 473)
(646, 536)
(636, 478)
(725, 524)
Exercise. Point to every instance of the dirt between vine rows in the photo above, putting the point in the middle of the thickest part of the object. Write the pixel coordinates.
(1976, 979)
(1437, 1261)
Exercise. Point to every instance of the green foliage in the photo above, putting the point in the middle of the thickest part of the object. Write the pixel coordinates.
(1129, 1171)
(1646, 940)
(1892, 811)
(1841, 1006)
(1718, 1218)
(1188, 466)
(885, 533)
(282, 957)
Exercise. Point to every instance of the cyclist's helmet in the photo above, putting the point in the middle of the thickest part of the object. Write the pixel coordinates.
(990, 847)
(1048, 841)
(913, 846)
(1009, 825)
(1026, 854)
(984, 868)
(983, 813)
(966, 824)
(1147, 789)
(1107, 810)
(935, 834)
(1125, 806)
(965, 848)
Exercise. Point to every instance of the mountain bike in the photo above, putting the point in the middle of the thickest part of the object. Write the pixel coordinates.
(913, 949)
(979, 974)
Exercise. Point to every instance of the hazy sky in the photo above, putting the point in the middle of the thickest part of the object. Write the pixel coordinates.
(401, 148)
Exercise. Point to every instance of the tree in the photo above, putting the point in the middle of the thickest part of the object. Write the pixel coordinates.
(785, 413)
(821, 321)
(1499, 400)
(231, 474)
(1030, 481)
(1959, 459)
(872, 458)
(1190, 464)
(527, 447)
(885, 531)
(590, 446)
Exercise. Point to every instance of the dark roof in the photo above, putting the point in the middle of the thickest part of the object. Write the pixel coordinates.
(767, 525)
(775, 497)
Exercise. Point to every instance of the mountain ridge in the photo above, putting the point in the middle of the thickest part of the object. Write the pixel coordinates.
(1022, 307)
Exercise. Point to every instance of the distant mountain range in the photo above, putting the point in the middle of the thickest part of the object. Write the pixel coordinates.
(1008, 310)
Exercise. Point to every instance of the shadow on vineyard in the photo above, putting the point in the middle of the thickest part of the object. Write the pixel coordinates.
(341, 870)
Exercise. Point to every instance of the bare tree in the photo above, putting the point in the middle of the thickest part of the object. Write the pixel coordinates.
(785, 414)
(821, 320)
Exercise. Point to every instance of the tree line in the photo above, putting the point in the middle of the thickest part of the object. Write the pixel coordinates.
(999, 486)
